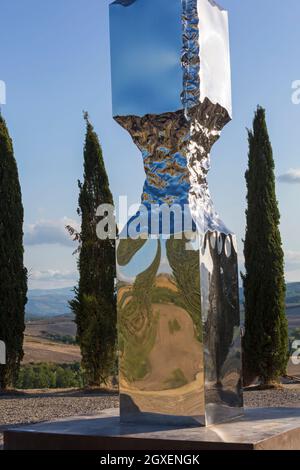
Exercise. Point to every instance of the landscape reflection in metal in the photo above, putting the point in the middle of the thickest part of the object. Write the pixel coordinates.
(178, 308)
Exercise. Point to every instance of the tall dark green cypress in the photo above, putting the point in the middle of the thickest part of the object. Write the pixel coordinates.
(13, 275)
(94, 304)
(266, 330)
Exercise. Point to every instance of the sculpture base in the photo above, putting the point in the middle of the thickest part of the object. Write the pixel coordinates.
(259, 429)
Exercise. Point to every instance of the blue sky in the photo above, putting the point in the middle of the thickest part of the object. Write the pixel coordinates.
(146, 74)
(54, 58)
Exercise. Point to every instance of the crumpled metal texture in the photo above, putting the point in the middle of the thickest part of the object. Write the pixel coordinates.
(163, 141)
(176, 156)
(206, 123)
(190, 58)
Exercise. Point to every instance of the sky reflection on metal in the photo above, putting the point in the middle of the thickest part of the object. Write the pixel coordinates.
(146, 43)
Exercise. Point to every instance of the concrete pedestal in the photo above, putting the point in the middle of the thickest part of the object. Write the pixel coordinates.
(259, 429)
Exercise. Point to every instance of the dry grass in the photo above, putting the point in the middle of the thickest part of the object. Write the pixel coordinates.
(63, 325)
(38, 348)
(42, 350)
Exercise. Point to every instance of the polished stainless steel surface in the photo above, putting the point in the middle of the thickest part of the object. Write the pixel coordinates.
(178, 307)
(160, 331)
(221, 327)
(146, 45)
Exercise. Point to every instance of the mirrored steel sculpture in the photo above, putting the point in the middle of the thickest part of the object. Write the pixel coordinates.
(178, 305)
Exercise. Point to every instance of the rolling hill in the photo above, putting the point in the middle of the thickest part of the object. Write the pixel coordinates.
(292, 293)
(54, 303)
(48, 303)
(48, 316)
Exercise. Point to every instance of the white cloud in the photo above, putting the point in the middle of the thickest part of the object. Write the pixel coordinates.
(51, 274)
(292, 265)
(292, 260)
(52, 279)
(292, 176)
(50, 232)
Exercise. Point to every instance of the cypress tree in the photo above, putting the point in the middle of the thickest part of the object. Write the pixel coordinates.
(266, 329)
(13, 275)
(94, 304)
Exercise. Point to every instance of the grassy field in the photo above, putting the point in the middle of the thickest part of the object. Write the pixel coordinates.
(61, 326)
(39, 348)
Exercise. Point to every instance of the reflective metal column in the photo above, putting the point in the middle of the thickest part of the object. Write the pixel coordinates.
(178, 305)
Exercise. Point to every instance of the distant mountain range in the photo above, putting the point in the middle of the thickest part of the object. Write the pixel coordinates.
(292, 304)
(54, 302)
(48, 303)
(292, 294)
